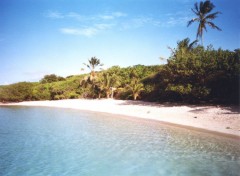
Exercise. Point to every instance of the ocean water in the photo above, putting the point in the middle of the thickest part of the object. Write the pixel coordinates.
(62, 142)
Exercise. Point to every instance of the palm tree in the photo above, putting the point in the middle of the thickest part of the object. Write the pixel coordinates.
(90, 80)
(107, 83)
(204, 17)
(93, 63)
(135, 87)
(184, 47)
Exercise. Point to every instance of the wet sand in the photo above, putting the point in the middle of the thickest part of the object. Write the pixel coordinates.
(221, 119)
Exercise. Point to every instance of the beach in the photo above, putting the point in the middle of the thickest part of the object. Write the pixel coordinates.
(218, 119)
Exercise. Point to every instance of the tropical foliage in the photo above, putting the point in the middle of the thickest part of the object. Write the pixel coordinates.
(200, 75)
(135, 87)
(192, 75)
(21, 91)
(51, 78)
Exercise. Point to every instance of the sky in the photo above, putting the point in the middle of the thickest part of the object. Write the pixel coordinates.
(40, 37)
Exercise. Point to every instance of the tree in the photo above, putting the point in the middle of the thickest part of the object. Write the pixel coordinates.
(92, 64)
(107, 83)
(51, 78)
(135, 87)
(204, 17)
(17, 92)
(90, 82)
(184, 48)
(41, 92)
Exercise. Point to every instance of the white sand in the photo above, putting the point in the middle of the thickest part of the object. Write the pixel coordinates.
(213, 118)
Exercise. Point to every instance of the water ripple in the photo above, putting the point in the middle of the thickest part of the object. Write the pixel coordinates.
(44, 141)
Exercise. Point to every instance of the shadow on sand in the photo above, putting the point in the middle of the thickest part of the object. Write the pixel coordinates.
(197, 108)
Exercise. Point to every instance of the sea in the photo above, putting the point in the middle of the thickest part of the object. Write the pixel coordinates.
(38, 141)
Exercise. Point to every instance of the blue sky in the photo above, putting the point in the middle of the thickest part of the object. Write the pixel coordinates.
(39, 37)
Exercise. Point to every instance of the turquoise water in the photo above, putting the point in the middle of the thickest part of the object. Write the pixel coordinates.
(59, 142)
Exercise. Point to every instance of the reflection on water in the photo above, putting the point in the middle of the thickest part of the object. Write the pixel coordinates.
(44, 141)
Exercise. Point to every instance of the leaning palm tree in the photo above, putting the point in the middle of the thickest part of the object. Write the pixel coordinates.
(204, 17)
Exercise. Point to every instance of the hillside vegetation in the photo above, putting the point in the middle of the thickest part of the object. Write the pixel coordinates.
(192, 75)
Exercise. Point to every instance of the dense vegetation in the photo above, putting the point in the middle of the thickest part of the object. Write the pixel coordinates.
(192, 75)
(197, 75)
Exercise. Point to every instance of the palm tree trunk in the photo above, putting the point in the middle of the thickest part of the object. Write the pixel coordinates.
(135, 96)
(108, 94)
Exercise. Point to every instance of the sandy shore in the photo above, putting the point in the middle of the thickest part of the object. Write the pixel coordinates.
(213, 118)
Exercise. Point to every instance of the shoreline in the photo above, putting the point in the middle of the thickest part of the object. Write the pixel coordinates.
(217, 119)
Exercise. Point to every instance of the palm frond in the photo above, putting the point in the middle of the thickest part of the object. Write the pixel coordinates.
(212, 15)
(191, 21)
(212, 25)
(196, 7)
(191, 45)
(207, 7)
(195, 12)
(201, 7)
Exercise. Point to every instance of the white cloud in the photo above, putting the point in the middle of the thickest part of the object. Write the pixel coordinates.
(164, 20)
(175, 19)
(54, 15)
(58, 15)
(179, 18)
(76, 16)
(92, 25)
(95, 24)
(113, 15)
(87, 31)
(107, 17)
(84, 31)
(119, 14)
(139, 22)
(103, 26)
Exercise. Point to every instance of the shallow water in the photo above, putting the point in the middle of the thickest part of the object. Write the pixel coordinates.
(59, 142)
